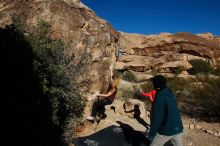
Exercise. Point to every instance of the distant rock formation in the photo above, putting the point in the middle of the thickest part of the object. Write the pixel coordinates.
(207, 35)
(166, 52)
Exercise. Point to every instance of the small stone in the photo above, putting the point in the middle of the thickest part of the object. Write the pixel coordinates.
(198, 127)
(191, 126)
(204, 130)
(185, 126)
(210, 132)
(216, 133)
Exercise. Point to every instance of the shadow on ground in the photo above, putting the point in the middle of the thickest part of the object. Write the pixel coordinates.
(121, 135)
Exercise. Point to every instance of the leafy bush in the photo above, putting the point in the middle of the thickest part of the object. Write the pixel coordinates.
(197, 97)
(118, 74)
(216, 71)
(129, 76)
(179, 85)
(206, 96)
(26, 109)
(59, 95)
(147, 86)
(51, 66)
(200, 66)
(129, 93)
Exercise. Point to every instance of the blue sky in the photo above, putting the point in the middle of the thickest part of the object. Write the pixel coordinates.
(155, 16)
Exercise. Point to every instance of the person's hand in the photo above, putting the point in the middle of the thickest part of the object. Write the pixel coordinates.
(97, 93)
(141, 91)
(93, 96)
(151, 98)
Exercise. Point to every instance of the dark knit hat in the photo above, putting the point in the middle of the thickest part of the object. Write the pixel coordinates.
(159, 81)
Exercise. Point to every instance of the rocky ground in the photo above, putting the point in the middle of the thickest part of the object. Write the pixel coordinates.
(121, 129)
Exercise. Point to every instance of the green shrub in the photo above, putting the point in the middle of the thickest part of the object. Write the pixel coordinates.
(129, 93)
(179, 84)
(56, 77)
(197, 97)
(216, 71)
(118, 74)
(147, 86)
(200, 66)
(206, 96)
(24, 99)
(129, 76)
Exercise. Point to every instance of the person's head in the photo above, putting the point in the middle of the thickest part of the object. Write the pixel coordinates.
(115, 83)
(159, 81)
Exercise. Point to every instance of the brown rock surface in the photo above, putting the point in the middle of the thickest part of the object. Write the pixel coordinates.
(87, 36)
(175, 65)
(154, 51)
(207, 35)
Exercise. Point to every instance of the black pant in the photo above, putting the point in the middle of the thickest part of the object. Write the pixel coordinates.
(99, 106)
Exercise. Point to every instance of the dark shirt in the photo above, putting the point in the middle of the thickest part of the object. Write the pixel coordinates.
(166, 118)
(112, 97)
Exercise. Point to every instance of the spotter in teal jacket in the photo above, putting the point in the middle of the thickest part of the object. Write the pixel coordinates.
(166, 118)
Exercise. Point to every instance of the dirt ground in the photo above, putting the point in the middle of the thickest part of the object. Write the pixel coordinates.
(119, 129)
(198, 137)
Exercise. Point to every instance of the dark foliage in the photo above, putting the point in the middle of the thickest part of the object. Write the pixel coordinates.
(198, 97)
(200, 66)
(25, 109)
(129, 76)
(39, 94)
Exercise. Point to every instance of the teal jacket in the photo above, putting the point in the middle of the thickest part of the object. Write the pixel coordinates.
(166, 118)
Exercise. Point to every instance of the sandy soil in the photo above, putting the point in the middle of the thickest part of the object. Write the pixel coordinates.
(119, 129)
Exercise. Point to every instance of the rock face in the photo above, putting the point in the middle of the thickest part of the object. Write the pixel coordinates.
(207, 35)
(166, 53)
(88, 37)
(173, 65)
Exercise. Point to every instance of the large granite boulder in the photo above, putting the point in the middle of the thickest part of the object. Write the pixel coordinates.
(88, 37)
